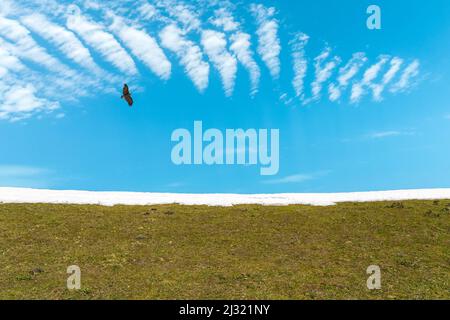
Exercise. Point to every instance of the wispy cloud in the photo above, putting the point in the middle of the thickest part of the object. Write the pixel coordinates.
(103, 42)
(6, 7)
(396, 64)
(20, 171)
(215, 46)
(23, 176)
(8, 61)
(387, 134)
(147, 11)
(224, 20)
(379, 135)
(32, 91)
(189, 54)
(24, 102)
(177, 184)
(18, 98)
(184, 14)
(300, 63)
(65, 40)
(143, 46)
(240, 44)
(346, 73)
(405, 82)
(23, 45)
(297, 178)
(323, 71)
(269, 46)
(359, 88)
(197, 34)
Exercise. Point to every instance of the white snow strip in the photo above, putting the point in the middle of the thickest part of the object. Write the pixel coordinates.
(24, 195)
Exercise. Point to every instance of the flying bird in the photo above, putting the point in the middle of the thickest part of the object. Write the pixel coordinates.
(126, 95)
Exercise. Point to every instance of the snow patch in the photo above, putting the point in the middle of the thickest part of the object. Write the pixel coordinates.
(25, 195)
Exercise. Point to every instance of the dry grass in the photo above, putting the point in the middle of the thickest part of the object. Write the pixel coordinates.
(243, 252)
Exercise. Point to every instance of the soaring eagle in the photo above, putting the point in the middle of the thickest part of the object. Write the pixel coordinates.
(126, 95)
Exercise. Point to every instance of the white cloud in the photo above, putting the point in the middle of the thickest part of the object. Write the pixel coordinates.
(23, 45)
(241, 47)
(30, 33)
(386, 134)
(378, 89)
(25, 91)
(189, 54)
(411, 71)
(215, 46)
(224, 19)
(370, 75)
(322, 72)
(64, 40)
(176, 184)
(148, 11)
(143, 46)
(91, 4)
(300, 63)
(346, 73)
(8, 62)
(6, 6)
(269, 46)
(182, 13)
(94, 35)
(286, 99)
(20, 171)
(24, 176)
(19, 101)
(297, 178)
(240, 44)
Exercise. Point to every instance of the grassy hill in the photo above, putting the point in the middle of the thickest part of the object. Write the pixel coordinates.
(242, 252)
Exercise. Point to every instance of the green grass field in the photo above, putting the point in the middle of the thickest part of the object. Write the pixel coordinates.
(243, 252)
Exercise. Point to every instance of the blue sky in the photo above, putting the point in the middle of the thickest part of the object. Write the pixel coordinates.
(64, 126)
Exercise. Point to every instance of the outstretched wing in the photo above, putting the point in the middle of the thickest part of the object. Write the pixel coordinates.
(129, 99)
